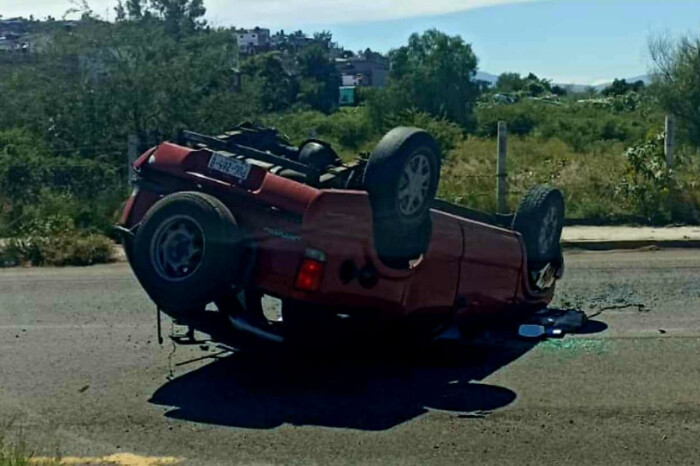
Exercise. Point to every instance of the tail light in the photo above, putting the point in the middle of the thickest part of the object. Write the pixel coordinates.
(310, 272)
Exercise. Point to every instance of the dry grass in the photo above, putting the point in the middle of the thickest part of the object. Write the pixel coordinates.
(589, 180)
(15, 452)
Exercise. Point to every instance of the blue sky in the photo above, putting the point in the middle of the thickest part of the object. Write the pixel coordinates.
(564, 40)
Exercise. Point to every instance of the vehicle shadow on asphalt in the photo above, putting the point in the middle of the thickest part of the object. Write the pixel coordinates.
(360, 391)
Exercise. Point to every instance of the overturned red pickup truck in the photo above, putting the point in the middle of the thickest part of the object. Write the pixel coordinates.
(361, 245)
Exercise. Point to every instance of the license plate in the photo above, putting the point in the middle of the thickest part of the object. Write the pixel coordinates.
(229, 166)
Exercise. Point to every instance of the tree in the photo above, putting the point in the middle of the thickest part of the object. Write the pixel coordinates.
(100, 82)
(325, 38)
(120, 11)
(319, 78)
(509, 82)
(435, 73)
(558, 90)
(618, 87)
(277, 87)
(535, 88)
(531, 84)
(677, 81)
(134, 9)
(622, 87)
(181, 17)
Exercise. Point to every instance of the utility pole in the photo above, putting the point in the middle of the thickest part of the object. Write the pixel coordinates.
(501, 174)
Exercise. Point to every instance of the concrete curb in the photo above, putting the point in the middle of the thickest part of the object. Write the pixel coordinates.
(586, 245)
(593, 245)
(624, 237)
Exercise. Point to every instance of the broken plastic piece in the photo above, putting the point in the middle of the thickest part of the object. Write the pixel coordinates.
(531, 331)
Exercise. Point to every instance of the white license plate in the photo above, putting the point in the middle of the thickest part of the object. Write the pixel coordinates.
(230, 166)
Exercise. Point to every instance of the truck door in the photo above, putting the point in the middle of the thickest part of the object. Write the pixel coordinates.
(489, 271)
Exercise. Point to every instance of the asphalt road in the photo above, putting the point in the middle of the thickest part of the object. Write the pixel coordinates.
(81, 373)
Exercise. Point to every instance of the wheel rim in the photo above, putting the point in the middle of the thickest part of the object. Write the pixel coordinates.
(414, 184)
(548, 230)
(177, 248)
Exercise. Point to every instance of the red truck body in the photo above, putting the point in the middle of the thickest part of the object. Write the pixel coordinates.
(471, 270)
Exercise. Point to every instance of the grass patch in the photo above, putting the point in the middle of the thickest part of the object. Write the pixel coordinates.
(16, 452)
(68, 249)
(575, 346)
(590, 181)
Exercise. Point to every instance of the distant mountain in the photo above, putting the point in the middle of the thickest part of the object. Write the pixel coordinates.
(575, 88)
(488, 77)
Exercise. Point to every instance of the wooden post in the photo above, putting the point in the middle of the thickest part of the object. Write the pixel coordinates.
(132, 151)
(670, 140)
(501, 174)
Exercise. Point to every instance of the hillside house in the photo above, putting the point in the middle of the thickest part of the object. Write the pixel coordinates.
(252, 41)
(365, 70)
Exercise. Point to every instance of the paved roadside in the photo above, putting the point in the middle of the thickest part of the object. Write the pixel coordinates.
(625, 237)
(82, 374)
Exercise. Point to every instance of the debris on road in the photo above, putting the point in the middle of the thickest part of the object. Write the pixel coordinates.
(553, 323)
(474, 415)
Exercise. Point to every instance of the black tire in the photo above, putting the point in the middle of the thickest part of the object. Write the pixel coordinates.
(215, 249)
(317, 154)
(401, 234)
(540, 219)
(387, 169)
(397, 246)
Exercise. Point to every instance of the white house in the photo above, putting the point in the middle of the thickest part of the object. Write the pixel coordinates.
(251, 40)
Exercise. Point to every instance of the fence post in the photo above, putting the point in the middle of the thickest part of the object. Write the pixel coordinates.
(670, 140)
(501, 174)
(132, 153)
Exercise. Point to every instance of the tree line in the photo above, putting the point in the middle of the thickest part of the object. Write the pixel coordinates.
(159, 68)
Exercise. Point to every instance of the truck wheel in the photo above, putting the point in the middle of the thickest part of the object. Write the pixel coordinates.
(317, 154)
(396, 247)
(402, 176)
(540, 219)
(186, 251)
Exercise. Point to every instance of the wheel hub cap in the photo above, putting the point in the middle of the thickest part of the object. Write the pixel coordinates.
(177, 248)
(414, 184)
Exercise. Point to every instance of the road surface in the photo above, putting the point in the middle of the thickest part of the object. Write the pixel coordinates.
(81, 373)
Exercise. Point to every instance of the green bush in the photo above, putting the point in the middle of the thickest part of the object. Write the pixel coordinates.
(446, 133)
(50, 232)
(654, 189)
(350, 127)
(348, 130)
(581, 125)
(352, 130)
(36, 185)
(64, 249)
(520, 118)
